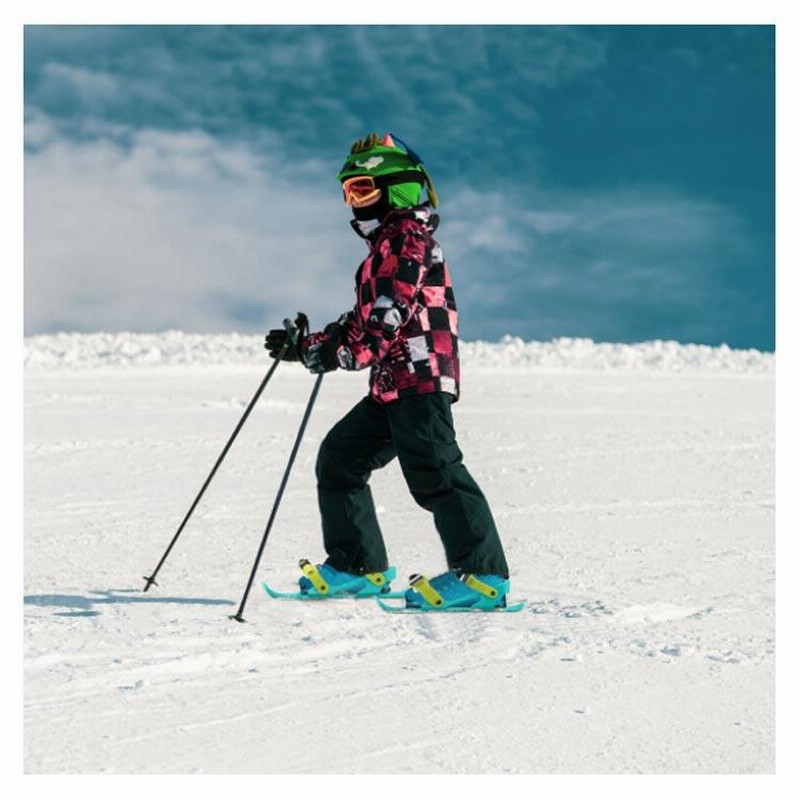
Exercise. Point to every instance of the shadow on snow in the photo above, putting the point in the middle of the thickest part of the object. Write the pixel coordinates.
(84, 606)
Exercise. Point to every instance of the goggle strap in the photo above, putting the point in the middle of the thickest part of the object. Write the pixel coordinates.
(420, 176)
(407, 176)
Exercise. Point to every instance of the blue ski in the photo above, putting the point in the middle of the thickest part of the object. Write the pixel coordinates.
(395, 609)
(340, 596)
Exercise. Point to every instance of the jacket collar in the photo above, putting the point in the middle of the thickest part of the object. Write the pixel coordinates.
(422, 213)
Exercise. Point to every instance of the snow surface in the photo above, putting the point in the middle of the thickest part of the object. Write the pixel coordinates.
(634, 488)
(89, 351)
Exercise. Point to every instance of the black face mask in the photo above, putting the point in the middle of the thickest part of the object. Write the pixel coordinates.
(377, 210)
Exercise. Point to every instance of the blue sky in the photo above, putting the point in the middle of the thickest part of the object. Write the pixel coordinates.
(610, 182)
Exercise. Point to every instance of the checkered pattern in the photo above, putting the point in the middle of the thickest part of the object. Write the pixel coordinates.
(404, 325)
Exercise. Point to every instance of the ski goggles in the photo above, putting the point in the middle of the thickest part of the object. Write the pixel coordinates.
(364, 190)
(360, 191)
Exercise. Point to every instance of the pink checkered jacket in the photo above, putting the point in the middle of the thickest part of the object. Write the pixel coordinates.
(404, 325)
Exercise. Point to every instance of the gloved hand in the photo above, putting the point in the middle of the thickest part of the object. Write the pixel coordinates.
(322, 356)
(285, 343)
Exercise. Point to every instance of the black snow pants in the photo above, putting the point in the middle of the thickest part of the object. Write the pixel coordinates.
(419, 431)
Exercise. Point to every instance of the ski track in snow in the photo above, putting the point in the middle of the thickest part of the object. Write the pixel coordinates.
(634, 493)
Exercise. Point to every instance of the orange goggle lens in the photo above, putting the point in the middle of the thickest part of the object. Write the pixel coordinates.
(360, 191)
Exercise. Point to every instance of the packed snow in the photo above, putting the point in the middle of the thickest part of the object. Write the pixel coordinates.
(633, 486)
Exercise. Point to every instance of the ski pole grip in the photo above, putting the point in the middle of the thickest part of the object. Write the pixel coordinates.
(301, 323)
(297, 329)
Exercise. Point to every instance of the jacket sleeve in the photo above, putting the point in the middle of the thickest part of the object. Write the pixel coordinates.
(387, 297)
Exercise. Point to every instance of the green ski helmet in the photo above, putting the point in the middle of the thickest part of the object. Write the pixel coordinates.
(395, 169)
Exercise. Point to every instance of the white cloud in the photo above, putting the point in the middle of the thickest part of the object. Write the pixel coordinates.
(39, 128)
(178, 230)
(587, 260)
(184, 230)
(548, 222)
(91, 85)
(482, 221)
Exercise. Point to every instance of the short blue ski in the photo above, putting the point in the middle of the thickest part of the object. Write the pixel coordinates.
(404, 609)
(309, 596)
(323, 582)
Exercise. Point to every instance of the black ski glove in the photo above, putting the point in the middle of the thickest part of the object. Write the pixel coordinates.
(323, 356)
(285, 343)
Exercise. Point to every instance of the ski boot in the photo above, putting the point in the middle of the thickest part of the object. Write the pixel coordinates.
(457, 591)
(326, 581)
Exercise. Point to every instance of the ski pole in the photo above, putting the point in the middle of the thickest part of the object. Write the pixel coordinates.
(238, 615)
(152, 578)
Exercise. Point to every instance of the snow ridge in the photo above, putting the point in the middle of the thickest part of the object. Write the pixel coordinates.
(176, 348)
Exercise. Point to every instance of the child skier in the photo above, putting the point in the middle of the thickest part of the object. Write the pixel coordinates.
(404, 328)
